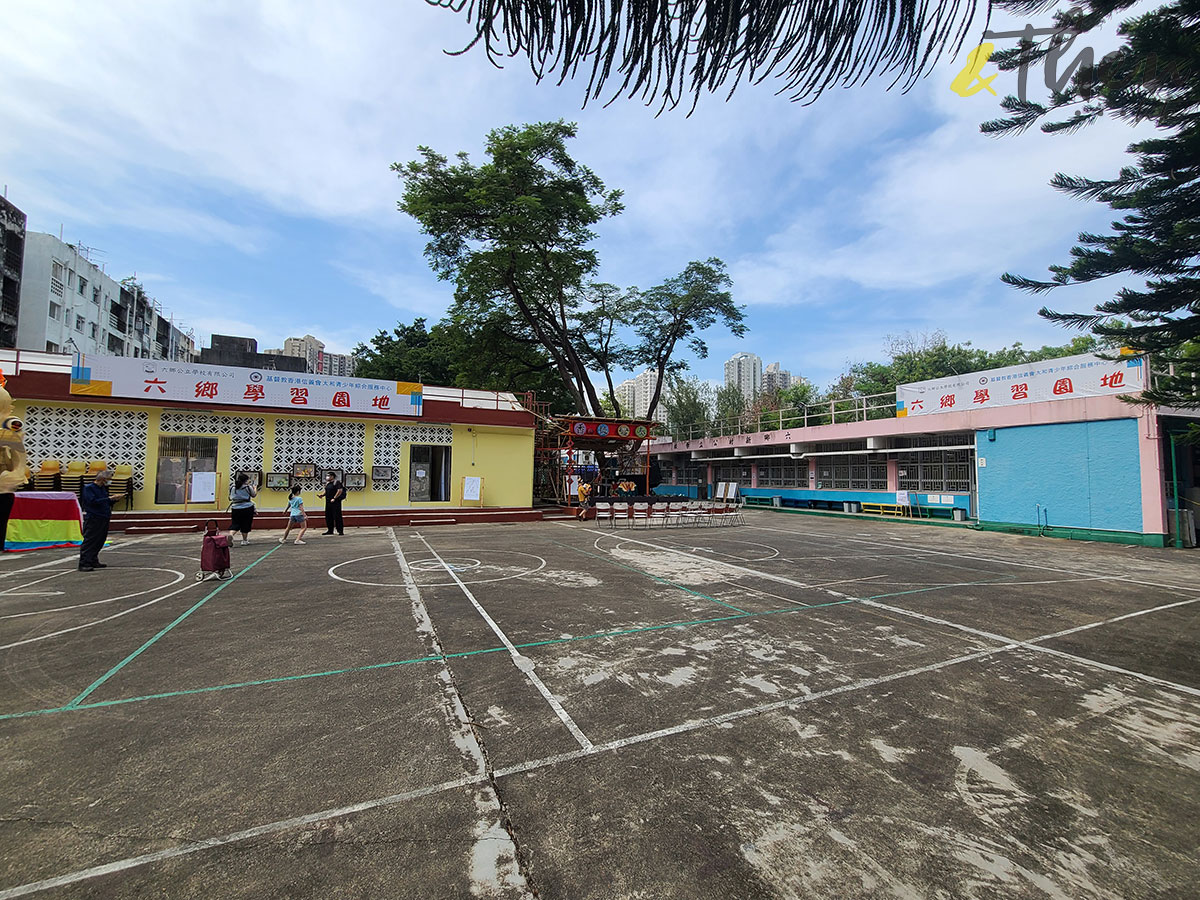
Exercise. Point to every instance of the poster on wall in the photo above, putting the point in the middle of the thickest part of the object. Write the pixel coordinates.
(1054, 379)
(203, 487)
(471, 487)
(160, 379)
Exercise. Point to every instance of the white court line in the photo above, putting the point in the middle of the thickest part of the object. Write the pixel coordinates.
(1029, 645)
(1036, 646)
(523, 663)
(471, 780)
(30, 584)
(73, 556)
(179, 576)
(132, 609)
(1006, 562)
(237, 837)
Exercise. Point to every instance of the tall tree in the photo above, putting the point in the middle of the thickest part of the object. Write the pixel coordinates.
(730, 404)
(677, 311)
(689, 404)
(1154, 76)
(660, 52)
(600, 326)
(514, 234)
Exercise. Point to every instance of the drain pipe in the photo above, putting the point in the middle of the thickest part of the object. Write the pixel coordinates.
(1175, 492)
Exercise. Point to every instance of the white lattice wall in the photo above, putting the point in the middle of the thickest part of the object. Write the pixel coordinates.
(115, 436)
(247, 435)
(390, 441)
(337, 444)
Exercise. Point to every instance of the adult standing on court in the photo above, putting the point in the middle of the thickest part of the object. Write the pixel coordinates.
(97, 513)
(241, 507)
(333, 492)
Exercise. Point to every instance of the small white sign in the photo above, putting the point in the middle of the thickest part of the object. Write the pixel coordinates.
(948, 499)
(902, 498)
(471, 487)
(204, 487)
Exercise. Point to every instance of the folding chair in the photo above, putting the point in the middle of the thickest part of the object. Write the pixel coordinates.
(641, 513)
(47, 476)
(72, 479)
(95, 467)
(604, 511)
(660, 513)
(121, 484)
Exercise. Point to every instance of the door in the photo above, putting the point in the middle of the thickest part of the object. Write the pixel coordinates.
(178, 456)
(419, 474)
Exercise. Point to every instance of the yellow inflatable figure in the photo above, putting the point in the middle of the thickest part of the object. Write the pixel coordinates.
(13, 471)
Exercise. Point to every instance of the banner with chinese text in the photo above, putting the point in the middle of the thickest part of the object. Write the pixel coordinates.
(158, 379)
(1051, 379)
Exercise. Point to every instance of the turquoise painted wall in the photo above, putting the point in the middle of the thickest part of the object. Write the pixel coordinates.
(1084, 475)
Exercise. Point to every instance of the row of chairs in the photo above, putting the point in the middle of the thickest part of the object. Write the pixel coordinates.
(693, 513)
(54, 476)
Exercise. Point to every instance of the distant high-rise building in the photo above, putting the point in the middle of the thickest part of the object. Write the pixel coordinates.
(745, 371)
(69, 304)
(634, 394)
(12, 257)
(776, 378)
(316, 360)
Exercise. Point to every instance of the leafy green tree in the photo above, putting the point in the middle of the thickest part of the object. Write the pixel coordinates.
(1154, 77)
(689, 405)
(676, 311)
(514, 236)
(730, 405)
(602, 347)
(921, 357)
(475, 355)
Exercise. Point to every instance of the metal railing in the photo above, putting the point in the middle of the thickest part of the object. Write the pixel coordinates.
(827, 412)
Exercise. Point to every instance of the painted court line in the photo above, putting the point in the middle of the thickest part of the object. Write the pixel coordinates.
(472, 780)
(1035, 644)
(235, 838)
(94, 623)
(523, 663)
(179, 576)
(1029, 645)
(138, 652)
(390, 664)
(1000, 561)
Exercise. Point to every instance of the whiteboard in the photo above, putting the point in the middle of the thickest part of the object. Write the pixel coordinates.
(204, 487)
(731, 490)
(902, 498)
(471, 488)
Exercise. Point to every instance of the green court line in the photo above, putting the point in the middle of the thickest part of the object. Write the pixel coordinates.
(648, 575)
(136, 653)
(403, 662)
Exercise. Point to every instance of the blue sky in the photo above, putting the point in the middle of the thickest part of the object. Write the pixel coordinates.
(235, 156)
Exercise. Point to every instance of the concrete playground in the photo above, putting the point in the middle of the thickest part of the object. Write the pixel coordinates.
(800, 707)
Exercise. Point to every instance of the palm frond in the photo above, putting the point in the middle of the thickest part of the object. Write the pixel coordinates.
(663, 51)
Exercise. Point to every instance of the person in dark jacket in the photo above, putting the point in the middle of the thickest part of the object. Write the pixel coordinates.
(333, 492)
(97, 511)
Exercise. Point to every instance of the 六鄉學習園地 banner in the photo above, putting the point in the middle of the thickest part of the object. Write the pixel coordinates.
(1052, 379)
(157, 379)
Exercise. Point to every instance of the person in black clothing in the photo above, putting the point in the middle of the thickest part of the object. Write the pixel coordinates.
(333, 492)
(97, 511)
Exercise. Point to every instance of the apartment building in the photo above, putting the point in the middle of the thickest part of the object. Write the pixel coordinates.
(12, 255)
(745, 371)
(69, 304)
